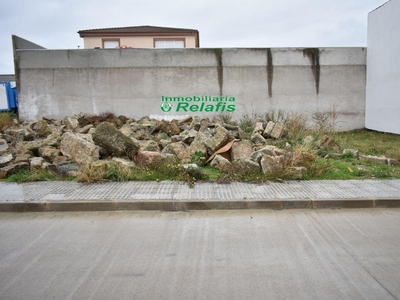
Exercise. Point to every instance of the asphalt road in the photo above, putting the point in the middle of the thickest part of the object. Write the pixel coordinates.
(263, 254)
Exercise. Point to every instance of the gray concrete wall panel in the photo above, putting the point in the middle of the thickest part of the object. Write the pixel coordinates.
(57, 83)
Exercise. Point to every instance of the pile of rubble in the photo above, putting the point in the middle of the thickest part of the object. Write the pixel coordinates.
(71, 146)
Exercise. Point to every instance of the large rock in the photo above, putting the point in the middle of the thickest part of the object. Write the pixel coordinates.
(148, 145)
(169, 128)
(277, 132)
(114, 141)
(189, 137)
(275, 164)
(37, 163)
(123, 163)
(267, 150)
(271, 164)
(199, 143)
(145, 158)
(257, 138)
(268, 129)
(218, 139)
(5, 159)
(221, 163)
(78, 149)
(71, 122)
(3, 146)
(241, 149)
(179, 149)
(49, 153)
(40, 127)
(245, 165)
(66, 168)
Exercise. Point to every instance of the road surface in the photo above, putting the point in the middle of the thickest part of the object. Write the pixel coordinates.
(259, 254)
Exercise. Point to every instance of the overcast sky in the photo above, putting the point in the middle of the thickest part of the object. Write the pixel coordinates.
(54, 24)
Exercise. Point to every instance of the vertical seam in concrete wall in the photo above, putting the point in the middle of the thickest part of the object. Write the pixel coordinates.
(313, 56)
(270, 71)
(220, 70)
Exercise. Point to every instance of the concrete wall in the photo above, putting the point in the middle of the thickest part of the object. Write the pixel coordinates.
(383, 76)
(132, 82)
(137, 41)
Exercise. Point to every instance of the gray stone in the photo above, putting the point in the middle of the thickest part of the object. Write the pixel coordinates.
(22, 158)
(3, 146)
(189, 137)
(268, 129)
(36, 163)
(71, 122)
(278, 130)
(5, 159)
(123, 163)
(114, 142)
(271, 164)
(257, 138)
(241, 149)
(148, 145)
(199, 143)
(179, 149)
(49, 153)
(145, 158)
(375, 159)
(189, 166)
(245, 165)
(40, 127)
(169, 128)
(66, 168)
(196, 123)
(219, 138)
(267, 150)
(177, 138)
(126, 130)
(297, 172)
(221, 163)
(78, 149)
(258, 127)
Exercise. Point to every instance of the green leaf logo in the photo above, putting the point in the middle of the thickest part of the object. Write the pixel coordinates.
(166, 106)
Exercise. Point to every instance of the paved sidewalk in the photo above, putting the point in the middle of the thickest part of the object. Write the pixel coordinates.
(178, 196)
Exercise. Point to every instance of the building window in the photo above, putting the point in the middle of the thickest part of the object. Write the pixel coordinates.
(169, 43)
(110, 44)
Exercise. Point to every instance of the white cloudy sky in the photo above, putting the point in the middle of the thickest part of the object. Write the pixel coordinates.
(221, 23)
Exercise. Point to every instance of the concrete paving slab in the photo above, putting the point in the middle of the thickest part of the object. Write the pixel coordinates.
(169, 195)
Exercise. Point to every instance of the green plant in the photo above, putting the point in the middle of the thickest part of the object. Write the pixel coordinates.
(279, 116)
(198, 158)
(30, 176)
(325, 121)
(6, 119)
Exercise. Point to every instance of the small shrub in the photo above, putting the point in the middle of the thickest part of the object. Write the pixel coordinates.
(279, 116)
(246, 123)
(226, 118)
(325, 121)
(197, 158)
(6, 120)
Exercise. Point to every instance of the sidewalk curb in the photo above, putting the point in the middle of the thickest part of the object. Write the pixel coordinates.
(176, 205)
